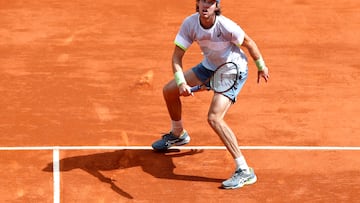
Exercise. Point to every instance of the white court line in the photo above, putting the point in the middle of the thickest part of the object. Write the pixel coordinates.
(315, 148)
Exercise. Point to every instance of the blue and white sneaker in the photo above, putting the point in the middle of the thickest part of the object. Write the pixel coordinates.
(239, 179)
(169, 140)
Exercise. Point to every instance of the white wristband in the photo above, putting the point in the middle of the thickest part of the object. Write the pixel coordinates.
(260, 64)
(179, 78)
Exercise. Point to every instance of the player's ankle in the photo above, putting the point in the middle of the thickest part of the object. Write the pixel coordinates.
(178, 133)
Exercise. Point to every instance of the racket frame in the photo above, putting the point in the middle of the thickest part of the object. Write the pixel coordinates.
(198, 87)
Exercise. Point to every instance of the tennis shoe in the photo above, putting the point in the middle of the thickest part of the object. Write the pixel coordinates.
(168, 140)
(239, 179)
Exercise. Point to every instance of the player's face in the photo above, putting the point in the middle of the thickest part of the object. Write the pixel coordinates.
(207, 8)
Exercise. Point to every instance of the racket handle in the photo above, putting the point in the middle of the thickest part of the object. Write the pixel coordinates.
(195, 88)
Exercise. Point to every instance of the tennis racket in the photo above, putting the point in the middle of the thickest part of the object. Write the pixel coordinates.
(223, 79)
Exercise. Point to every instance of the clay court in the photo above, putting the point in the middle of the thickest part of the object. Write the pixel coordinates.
(81, 102)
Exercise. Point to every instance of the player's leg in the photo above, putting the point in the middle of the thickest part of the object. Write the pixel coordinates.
(218, 108)
(177, 135)
(243, 174)
(220, 105)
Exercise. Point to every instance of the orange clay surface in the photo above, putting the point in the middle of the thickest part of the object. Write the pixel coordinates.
(90, 73)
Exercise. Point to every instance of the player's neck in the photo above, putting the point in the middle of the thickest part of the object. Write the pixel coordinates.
(207, 23)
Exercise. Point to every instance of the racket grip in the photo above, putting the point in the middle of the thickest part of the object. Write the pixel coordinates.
(195, 88)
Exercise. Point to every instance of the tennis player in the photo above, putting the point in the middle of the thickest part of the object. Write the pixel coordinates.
(220, 40)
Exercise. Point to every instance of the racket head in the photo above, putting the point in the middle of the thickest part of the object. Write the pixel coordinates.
(225, 77)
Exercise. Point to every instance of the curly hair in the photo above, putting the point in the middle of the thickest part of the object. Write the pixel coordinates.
(217, 11)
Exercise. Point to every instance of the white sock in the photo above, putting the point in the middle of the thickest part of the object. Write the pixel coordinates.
(177, 127)
(241, 163)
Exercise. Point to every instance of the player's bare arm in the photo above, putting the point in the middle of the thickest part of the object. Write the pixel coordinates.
(184, 88)
(250, 45)
(177, 57)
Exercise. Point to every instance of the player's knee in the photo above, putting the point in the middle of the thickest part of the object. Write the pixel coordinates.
(165, 90)
(170, 90)
(213, 120)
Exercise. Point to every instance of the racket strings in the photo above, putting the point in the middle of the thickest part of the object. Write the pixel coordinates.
(225, 77)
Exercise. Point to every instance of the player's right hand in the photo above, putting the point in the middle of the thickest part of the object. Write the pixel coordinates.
(185, 90)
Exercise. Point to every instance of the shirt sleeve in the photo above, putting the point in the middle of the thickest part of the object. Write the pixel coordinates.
(238, 34)
(183, 38)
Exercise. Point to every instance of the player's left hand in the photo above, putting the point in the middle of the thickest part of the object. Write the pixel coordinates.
(263, 74)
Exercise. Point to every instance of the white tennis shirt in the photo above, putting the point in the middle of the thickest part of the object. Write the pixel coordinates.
(219, 44)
